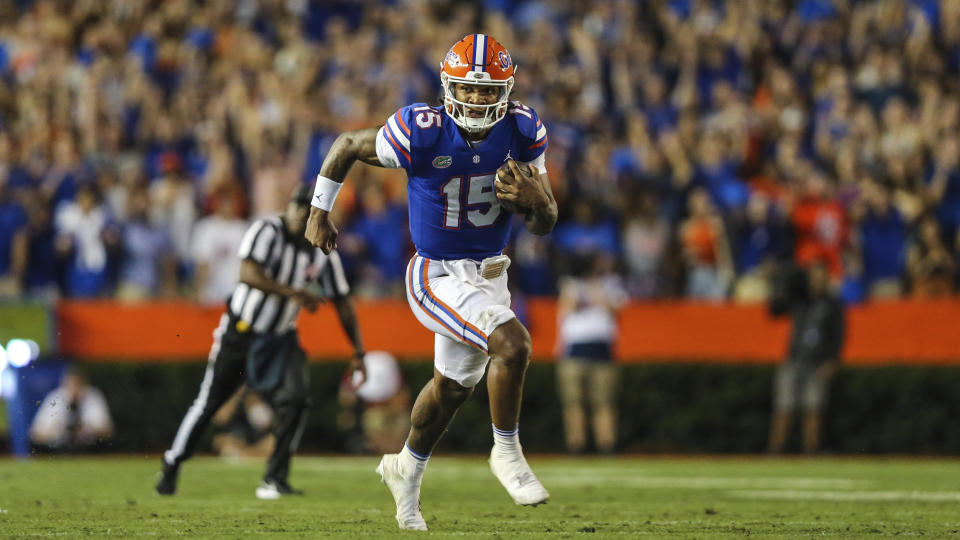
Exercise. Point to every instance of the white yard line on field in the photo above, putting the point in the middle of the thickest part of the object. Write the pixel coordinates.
(706, 482)
(855, 496)
(602, 476)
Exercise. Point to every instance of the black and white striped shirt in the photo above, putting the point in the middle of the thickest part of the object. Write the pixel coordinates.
(289, 262)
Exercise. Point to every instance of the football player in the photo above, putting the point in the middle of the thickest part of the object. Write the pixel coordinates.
(464, 183)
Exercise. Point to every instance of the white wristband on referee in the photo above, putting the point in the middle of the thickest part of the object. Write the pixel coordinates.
(325, 193)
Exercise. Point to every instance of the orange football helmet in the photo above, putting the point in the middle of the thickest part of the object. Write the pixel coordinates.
(477, 59)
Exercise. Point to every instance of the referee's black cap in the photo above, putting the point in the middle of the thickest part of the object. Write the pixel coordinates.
(302, 194)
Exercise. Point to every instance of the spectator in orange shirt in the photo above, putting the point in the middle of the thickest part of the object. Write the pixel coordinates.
(819, 224)
(706, 249)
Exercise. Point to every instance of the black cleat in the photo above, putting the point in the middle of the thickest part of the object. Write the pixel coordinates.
(167, 484)
(274, 489)
(287, 489)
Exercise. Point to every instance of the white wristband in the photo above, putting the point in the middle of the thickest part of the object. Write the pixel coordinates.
(325, 193)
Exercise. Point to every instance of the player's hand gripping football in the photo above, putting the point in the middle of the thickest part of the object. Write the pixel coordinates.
(321, 232)
(520, 189)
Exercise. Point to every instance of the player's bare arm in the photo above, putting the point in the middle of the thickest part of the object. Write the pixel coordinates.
(349, 147)
(253, 275)
(532, 193)
(541, 219)
(348, 319)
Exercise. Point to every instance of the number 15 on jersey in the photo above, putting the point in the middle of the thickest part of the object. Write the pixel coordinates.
(473, 197)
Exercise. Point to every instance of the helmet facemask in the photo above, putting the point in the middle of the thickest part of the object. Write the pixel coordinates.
(457, 110)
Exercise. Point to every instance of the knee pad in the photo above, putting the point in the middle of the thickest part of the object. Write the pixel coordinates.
(459, 362)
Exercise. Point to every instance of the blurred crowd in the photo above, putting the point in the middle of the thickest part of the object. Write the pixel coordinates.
(693, 143)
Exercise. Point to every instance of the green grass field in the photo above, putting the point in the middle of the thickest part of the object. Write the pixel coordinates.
(596, 498)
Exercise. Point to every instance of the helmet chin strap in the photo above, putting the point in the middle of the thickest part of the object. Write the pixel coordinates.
(460, 114)
(477, 125)
(457, 110)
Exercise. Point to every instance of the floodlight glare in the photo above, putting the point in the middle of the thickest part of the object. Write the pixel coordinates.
(18, 353)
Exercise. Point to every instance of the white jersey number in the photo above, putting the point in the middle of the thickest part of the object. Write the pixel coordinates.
(482, 205)
(427, 117)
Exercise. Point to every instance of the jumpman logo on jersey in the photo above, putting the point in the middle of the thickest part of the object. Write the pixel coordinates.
(508, 156)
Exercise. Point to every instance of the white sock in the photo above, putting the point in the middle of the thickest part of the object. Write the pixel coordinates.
(412, 464)
(506, 442)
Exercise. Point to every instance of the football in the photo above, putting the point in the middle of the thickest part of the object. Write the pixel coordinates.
(505, 174)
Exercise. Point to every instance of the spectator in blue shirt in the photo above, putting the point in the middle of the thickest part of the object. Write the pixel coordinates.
(13, 244)
(42, 278)
(883, 235)
(59, 182)
(586, 231)
(944, 183)
(718, 175)
(148, 265)
(381, 233)
(758, 242)
(760, 238)
(661, 114)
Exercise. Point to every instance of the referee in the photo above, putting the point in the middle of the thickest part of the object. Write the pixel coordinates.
(256, 342)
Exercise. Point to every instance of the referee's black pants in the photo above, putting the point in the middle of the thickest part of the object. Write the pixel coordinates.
(226, 372)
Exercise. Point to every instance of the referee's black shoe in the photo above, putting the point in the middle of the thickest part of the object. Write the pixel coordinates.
(167, 484)
(274, 489)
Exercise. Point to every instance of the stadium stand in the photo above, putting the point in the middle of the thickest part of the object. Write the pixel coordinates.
(818, 129)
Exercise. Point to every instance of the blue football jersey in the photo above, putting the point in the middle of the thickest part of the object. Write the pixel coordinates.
(454, 212)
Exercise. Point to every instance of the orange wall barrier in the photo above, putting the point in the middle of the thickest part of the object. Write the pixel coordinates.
(904, 332)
